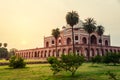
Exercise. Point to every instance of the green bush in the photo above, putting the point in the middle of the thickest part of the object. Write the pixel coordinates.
(110, 57)
(54, 64)
(69, 62)
(96, 59)
(17, 62)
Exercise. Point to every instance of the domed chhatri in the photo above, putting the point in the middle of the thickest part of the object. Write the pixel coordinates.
(65, 44)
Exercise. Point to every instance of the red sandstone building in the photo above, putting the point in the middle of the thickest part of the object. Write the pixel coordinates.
(65, 44)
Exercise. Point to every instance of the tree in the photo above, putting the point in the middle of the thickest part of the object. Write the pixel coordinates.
(72, 19)
(16, 62)
(5, 45)
(100, 30)
(55, 64)
(0, 45)
(70, 62)
(12, 52)
(89, 27)
(3, 51)
(0, 50)
(56, 34)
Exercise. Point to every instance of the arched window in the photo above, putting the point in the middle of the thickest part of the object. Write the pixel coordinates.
(38, 53)
(59, 41)
(106, 42)
(110, 50)
(68, 41)
(84, 40)
(93, 39)
(53, 42)
(76, 37)
(69, 50)
(35, 54)
(100, 40)
(63, 52)
(41, 54)
(47, 44)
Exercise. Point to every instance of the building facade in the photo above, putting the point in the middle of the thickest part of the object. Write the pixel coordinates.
(64, 43)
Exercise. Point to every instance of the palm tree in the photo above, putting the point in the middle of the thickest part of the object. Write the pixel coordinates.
(0, 44)
(100, 30)
(72, 19)
(56, 34)
(89, 27)
(5, 45)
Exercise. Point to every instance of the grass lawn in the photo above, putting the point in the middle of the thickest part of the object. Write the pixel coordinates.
(43, 72)
(3, 60)
(26, 60)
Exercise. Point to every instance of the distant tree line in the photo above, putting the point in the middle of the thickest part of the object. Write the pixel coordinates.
(3, 51)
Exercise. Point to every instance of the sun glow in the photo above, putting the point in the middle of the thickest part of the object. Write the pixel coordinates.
(23, 42)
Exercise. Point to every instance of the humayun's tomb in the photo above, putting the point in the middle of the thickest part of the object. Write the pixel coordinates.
(65, 44)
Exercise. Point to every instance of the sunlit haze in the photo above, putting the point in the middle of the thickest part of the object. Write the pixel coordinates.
(24, 23)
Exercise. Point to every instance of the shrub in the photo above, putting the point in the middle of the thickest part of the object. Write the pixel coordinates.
(17, 62)
(70, 62)
(54, 64)
(96, 59)
(111, 58)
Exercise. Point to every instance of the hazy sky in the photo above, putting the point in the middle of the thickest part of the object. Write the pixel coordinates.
(24, 23)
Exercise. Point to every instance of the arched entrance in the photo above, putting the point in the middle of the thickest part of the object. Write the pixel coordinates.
(68, 41)
(93, 39)
(106, 42)
(69, 50)
(58, 54)
(41, 54)
(106, 51)
(35, 54)
(110, 50)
